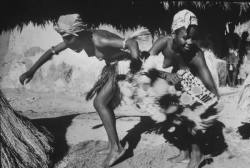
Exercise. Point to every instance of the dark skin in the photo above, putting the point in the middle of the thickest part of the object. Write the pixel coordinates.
(174, 49)
(232, 42)
(101, 44)
(177, 52)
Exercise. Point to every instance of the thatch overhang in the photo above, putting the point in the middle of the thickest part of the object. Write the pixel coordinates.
(154, 14)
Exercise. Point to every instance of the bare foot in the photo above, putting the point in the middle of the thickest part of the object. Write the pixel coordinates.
(114, 155)
(195, 163)
(182, 157)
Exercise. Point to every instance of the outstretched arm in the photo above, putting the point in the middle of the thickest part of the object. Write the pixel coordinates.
(47, 56)
(44, 58)
(203, 72)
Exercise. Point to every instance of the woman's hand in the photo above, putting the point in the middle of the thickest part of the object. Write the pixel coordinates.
(173, 78)
(26, 77)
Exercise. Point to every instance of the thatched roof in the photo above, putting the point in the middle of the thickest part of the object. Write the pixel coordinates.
(22, 144)
(122, 14)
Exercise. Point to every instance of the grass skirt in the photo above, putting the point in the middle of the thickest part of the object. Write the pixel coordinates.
(108, 72)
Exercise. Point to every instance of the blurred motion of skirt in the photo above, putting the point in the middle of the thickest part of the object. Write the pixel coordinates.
(244, 97)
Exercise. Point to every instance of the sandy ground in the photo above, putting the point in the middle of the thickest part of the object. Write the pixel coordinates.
(79, 132)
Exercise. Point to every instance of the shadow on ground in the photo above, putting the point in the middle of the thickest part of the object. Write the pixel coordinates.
(244, 130)
(134, 135)
(56, 128)
(212, 142)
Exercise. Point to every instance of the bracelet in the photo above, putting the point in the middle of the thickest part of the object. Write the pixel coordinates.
(53, 50)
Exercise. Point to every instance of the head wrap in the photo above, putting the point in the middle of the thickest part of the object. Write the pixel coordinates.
(184, 18)
(70, 24)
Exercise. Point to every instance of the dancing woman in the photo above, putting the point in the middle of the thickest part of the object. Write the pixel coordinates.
(106, 46)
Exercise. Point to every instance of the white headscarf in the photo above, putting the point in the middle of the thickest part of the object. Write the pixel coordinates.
(184, 18)
(70, 24)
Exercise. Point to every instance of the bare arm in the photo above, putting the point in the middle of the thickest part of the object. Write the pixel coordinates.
(133, 47)
(47, 56)
(203, 72)
(158, 45)
(27, 76)
(172, 78)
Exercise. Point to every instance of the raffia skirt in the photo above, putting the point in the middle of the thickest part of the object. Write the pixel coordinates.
(195, 103)
(109, 72)
(185, 126)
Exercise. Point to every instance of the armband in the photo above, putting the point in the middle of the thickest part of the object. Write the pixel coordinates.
(53, 50)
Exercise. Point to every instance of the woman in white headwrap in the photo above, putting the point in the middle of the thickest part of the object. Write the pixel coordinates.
(192, 75)
(104, 45)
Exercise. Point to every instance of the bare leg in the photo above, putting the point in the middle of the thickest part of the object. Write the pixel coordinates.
(196, 157)
(234, 76)
(108, 118)
(183, 155)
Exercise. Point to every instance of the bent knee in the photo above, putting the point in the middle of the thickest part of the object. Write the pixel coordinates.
(98, 104)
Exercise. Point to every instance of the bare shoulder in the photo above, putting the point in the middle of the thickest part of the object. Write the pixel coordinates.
(164, 39)
(104, 34)
(198, 58)
(199, 54)
(169, 38)
(160, 44)
(103, 37)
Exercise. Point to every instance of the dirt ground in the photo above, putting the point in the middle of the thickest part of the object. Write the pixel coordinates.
(79, 133)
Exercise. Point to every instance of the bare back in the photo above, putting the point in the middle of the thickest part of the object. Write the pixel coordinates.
(106, 44)
(99, 43)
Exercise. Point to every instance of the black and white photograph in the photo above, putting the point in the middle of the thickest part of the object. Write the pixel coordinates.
(125, 84)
